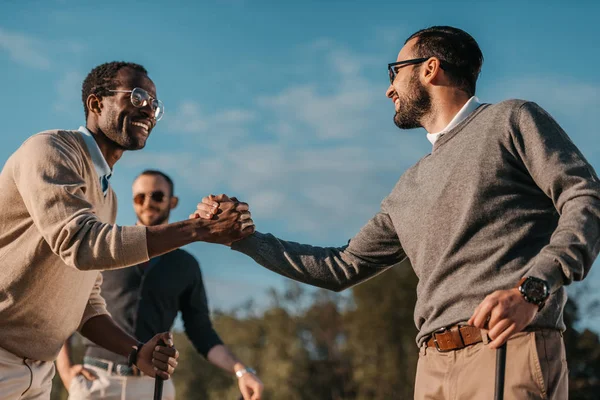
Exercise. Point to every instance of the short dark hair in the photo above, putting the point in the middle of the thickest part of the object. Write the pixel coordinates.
(154, 172)
(101, 79)
(454, 47)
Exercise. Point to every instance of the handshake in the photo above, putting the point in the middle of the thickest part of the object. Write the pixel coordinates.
(222, 219)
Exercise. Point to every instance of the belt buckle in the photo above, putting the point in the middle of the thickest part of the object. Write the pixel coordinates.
(437, 345)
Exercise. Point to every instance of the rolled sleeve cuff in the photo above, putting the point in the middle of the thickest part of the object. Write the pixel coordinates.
(134, 245)
(551, 271)
(206, 347)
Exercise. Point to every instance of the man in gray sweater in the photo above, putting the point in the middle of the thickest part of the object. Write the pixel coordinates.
(502, 214)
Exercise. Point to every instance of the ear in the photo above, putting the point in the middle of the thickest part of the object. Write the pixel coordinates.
(174, 202)
(94, 104)
(431, 69)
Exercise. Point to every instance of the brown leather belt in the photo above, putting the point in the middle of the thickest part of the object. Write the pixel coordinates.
(454, 338)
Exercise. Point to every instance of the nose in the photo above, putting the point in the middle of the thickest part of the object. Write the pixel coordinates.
(389, 93)
(147, 110)
(147, 201)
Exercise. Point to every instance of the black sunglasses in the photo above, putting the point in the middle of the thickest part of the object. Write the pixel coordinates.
(395, 66)
(157, 196)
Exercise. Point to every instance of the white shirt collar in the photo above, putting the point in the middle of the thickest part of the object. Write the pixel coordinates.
(464, 112)
(102, 168)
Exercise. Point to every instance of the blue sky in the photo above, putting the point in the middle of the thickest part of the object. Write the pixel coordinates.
(282, 103)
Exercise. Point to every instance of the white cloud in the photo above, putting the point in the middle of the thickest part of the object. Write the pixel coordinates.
(216, 131)
(24, 49)
(343, 109)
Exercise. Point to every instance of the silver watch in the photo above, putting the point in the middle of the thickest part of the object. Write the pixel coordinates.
(244, 371)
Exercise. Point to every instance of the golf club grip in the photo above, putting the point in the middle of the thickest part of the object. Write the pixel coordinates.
(158, 381)
(500, 370)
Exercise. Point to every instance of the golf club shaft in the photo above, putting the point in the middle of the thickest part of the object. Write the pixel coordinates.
(158, 383)
(500, 369)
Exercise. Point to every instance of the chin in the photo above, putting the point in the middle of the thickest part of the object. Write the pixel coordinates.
(135, 145)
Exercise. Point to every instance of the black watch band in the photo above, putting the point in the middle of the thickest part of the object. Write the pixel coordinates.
(133, 355)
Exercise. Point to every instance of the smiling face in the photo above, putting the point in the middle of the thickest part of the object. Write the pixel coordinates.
(411, 99)
(121, 122)
(149, 210)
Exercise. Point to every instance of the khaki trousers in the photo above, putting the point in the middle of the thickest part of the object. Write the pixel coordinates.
(114, 387)
(24, 379)
(536, 368)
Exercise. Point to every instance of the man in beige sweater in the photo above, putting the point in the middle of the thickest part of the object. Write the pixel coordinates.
(57, 230)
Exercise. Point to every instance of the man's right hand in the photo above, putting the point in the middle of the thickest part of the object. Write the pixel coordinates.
(232, 218)
(75, 370)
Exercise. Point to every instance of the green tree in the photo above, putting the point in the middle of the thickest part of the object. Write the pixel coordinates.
(381, 335)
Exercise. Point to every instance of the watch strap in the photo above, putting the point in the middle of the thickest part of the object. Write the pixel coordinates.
(133, 354)
(241, 372)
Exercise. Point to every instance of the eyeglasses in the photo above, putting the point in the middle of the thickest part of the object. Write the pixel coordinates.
(395, 66)
(140, 98)
(157, 196)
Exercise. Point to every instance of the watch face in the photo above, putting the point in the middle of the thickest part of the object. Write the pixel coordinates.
(535, 289)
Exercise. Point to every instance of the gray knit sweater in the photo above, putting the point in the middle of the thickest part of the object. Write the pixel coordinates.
(505, 194)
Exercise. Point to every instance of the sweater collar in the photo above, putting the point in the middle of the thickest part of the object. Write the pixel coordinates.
(100, 165)
(470, 106)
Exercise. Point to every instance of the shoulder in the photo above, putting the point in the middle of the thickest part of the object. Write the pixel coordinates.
(54, 146)
(517, 108)
(53, 141)
(56, 138)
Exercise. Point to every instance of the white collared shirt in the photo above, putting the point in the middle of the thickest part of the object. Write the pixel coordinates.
(102, 168)
(464, 112)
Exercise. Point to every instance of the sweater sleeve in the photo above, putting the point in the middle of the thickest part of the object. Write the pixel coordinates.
(196, 316)
(564, 175)
(48, 173)
(375, 248)
(95, 305)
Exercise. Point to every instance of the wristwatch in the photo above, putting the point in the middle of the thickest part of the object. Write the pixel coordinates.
(241, 372)
(534, 290)
(133, 355)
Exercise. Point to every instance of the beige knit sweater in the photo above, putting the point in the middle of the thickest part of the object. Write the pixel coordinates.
(56, 231)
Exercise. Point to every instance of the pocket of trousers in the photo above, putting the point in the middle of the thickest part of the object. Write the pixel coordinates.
(536, 366)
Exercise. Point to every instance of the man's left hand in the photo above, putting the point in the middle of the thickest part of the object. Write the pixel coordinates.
(504, 313)
(250, 386)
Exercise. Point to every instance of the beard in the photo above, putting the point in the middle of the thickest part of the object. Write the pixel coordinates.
(118, 134)
(158, 219)
(414, 105)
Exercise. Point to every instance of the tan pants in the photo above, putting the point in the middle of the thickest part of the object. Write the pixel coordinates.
(115, 387)
(24, 379)
(536, 368)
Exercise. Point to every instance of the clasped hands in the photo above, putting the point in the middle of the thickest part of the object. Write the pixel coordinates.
(231, 219)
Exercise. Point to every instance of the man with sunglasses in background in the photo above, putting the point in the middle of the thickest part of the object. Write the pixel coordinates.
(57, 230)
(502, 214)
(145, 299)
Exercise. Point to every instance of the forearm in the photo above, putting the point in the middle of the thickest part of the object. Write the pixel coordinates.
(223, 358)
(162, 239)
(103, 331)
(326, 267)
(226, 228)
